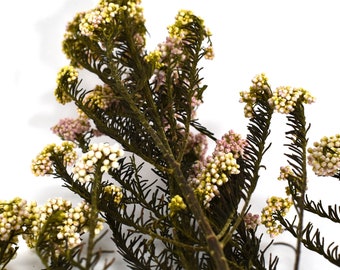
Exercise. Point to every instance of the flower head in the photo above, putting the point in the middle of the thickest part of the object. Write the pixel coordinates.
(104, 154)
(105, 13)
(285, 98)
(285, 171)
(66, 78)
(176, 204)
(231, 142)
(59, 223)
(114, 192)
(251, 221)
(42, 164)
(182, 19)
(258, 90)
(13, 214)
(213, 173)
(275, 206)
(324, 157)
(69, 129)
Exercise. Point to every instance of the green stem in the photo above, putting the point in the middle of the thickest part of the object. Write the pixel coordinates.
(95, 189)
(215, 248)
(298, 184)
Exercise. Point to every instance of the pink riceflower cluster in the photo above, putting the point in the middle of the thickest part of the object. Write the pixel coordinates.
(275, 206)
(70, 129)
(42, 164)
(59, 223)
(195, 103)
(231, 142)
(284, 99)
(199, 143)
(103, 154)
(166, 54)
(285, 171)
(257, 89)
(214, 171)
(324, 157)
(251, 221)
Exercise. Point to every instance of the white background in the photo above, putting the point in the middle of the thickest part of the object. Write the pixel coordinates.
(294, 42)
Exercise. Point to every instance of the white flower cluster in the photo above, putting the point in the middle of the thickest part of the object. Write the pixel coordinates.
(103, 155)
(12, 216)
(63, 223)
(324, 157)
(285, 97)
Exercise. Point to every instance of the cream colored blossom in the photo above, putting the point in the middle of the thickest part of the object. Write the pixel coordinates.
(67, 76)
(285, 98)
(324, 157)
(103, 153)
(260, 88)
(42, 164)
(275, 206)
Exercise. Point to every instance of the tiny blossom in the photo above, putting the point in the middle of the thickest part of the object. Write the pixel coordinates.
(115, 192)
(42, 164)
(285, 98)
(154, 57)
(285, 171)
(324, 157)
(66, 77)
(258, 88)
(176, 204)
(139, 40)
(251, 221)
(231, 142)
(209, 53)
(275, 206)
(107, 155)
(69, 129)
